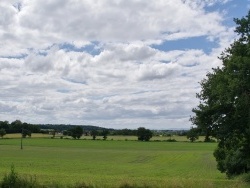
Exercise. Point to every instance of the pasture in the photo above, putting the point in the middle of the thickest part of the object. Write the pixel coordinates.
(113, 163)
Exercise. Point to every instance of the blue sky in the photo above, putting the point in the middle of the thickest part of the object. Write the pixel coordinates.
(116, 64)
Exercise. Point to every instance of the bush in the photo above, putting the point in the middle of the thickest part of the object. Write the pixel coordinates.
(245, 177)
(171, 140)
(13, 180)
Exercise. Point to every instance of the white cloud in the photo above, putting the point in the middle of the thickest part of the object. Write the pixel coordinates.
(155, 71)
(125, 82)
(39, 24)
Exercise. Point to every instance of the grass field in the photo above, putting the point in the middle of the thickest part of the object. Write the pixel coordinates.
(124, 138)
(113, 163)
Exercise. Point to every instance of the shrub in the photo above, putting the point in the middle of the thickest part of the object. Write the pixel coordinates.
(171, 140)
(13, 180)
(245, 177)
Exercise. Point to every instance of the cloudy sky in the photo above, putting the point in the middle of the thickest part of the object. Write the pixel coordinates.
(110, 63)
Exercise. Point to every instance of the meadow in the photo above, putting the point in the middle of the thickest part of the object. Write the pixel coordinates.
(114, 162)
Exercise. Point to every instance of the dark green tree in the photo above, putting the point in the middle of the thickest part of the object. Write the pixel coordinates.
(25, 133)
(105, 133)
(16, 126)
(4, 125)
(65, 133)
(193, 134)
(224, 109)
(76, 132)
(144, 134)
(2, 132)
(94, 133)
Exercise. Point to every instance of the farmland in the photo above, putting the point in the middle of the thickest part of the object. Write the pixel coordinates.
(114, 162)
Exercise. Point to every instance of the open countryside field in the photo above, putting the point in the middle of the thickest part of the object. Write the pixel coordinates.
(114, 163)
(120, 138)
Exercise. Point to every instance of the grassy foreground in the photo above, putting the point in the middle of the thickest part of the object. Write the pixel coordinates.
(110, 163)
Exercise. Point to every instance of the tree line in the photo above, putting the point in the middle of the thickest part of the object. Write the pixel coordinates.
(74, 131)
(17, 127)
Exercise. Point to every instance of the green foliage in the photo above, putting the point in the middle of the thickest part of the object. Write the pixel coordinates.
(245, 177)
(25, 133)
(76, 132)
(11, 179)
(144, 134)
(105, 133)
(224, 110)
(14, 180)
(124, 132)
(65, 133)
(193, 134)
(171, 140)
(2, 132)
(94, 133)
(17, 126)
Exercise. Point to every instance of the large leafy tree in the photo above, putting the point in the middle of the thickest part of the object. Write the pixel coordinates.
(76, 132)
(144, 134)
(224, 109)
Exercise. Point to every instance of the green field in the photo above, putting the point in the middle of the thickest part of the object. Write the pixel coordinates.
(113, 163)
(124, 138)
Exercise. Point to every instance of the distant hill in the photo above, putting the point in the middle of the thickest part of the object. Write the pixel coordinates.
(61, 127)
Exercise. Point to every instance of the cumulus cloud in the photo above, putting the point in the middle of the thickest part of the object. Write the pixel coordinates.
(94, 62)
(37, 24)
(155, 71)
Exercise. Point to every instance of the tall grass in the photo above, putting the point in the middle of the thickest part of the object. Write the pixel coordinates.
(14, 180)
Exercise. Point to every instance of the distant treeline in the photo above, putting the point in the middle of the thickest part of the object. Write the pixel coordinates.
(125, 132)
(17, 126)
(63, 127)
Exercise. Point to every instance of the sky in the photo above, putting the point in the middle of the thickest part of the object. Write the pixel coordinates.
(110, 63)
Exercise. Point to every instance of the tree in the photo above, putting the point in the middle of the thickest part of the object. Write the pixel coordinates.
(94, 133)
(224, 109)
(105, 133)
(2, 132)
(76, 132)
(16, 126)
(193, 134)
(144, 134)
(65, 133)
(26, 132)
(4, 125)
